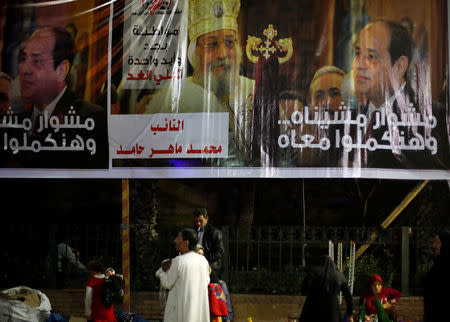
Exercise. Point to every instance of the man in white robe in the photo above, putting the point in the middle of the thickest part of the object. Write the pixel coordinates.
(187, 278)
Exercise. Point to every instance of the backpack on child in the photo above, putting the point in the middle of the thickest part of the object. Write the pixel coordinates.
(217, 301)
(113, 290)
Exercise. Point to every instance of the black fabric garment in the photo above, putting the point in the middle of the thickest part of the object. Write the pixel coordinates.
(437, 283)
(321, 287)
(213, 247)
(265, 128)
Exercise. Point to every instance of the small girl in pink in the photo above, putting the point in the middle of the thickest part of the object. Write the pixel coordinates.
(95, 310)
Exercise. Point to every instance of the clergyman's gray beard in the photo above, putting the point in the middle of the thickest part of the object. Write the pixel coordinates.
(222, 85)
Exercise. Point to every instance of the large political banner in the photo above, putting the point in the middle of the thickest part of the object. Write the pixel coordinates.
(226, 88)
(53, 110)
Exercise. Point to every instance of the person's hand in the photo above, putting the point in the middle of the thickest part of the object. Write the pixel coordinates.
(165, 265)
(350, 318)
(391, 305)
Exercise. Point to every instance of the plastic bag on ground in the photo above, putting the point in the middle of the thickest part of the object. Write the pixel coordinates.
(24, 304)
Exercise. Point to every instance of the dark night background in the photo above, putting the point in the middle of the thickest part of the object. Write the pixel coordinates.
(32, 207)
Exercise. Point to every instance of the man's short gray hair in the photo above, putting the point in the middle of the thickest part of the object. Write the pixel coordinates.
(327, 70)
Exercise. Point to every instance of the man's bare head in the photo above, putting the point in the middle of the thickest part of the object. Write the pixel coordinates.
(383, 54)
(44, 65)
(326, 88)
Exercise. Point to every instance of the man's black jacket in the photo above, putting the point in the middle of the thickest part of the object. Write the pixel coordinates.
(213, 246)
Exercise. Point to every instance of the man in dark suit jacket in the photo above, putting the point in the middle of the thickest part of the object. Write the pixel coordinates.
(211, 239)
(383, 56)
(66, 132)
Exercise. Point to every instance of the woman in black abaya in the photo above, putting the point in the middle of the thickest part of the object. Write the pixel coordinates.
(321, 287)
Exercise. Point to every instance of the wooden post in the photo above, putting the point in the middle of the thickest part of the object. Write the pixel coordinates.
(125, 228)
(394, 214)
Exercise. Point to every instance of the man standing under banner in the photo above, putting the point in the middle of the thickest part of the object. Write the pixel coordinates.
(215, 54)
(187, 278)
(210, 238)
(399, 133)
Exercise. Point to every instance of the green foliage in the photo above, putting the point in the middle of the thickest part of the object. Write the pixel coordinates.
(369, 264)
(424, 268)
(144, 264)
(261, 281)
(144, 278)
(421, 274)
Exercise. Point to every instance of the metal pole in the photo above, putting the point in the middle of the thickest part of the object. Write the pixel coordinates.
(304, 225)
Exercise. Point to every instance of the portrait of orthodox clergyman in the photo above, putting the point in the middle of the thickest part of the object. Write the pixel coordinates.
(215, 53)
(380, 71)
(64, 131)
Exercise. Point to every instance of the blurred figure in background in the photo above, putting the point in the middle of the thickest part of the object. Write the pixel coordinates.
(437, 284)
(70, 269)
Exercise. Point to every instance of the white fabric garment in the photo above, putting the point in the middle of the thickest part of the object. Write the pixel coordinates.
(88, 301)
(189, 97)
(18, 311)
(187, 280)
